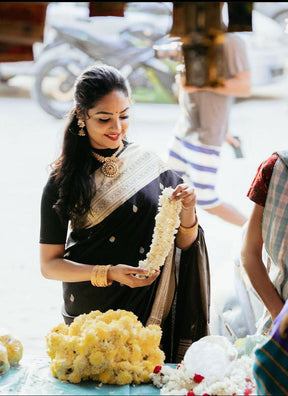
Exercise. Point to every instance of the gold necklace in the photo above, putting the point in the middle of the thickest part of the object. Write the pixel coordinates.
(110, 167)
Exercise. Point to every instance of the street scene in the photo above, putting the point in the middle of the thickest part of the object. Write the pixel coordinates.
(35, 98)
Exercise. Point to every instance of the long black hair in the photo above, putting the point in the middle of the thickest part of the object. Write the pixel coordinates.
(71, 171)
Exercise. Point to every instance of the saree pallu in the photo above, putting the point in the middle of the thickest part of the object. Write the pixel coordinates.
(118, 230)
(188, 320)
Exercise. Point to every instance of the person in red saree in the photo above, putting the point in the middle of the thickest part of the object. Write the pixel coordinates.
(98, 213)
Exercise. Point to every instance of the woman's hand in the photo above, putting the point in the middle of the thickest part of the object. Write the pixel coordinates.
(186, 194)
(188, 218)
(125, 274)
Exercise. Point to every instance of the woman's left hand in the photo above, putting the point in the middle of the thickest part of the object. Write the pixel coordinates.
(188, 218)
(186, 194)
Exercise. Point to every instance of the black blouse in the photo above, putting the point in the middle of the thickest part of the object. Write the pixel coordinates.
(52, 229)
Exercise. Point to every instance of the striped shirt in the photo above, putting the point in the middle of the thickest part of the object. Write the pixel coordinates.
(202, 126)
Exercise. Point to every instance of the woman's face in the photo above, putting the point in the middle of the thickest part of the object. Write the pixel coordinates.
(108, 121)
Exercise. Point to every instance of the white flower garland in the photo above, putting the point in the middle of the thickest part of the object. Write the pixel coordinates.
(167, 222)
(212, 366)
(178, 381)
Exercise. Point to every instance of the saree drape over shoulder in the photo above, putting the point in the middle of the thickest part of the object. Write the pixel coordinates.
(118, 230)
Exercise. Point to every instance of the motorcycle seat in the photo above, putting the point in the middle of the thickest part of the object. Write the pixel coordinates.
(113, 43)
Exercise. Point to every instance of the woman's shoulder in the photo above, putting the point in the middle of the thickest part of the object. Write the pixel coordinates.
(50, 188)
(266, 167)
(260, 185)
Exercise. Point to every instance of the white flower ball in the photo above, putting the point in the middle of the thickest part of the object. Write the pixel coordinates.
(210, 357)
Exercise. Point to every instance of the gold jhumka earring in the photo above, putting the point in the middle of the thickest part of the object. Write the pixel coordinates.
(81, 125)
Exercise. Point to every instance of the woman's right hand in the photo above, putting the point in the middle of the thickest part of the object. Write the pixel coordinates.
(125, 274)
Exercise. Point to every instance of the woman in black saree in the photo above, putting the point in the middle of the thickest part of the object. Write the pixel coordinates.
(98, 214)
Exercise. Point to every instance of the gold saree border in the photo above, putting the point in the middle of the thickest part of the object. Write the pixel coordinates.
(165, 291)
(138, 167)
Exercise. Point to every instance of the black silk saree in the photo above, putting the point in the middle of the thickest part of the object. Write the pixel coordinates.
(118, 230)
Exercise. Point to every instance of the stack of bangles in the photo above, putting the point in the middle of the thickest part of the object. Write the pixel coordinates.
(189, 230)
(99, 276)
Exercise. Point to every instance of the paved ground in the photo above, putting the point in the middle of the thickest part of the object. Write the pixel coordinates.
(30, 304)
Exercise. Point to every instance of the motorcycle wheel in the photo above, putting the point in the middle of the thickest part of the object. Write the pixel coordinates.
(54, 81)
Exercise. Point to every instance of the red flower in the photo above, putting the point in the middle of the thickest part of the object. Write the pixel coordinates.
(157, 369)
(198, 378)
(249, 387)
(190, 394)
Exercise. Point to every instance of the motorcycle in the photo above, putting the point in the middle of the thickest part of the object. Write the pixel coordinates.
(75, 47)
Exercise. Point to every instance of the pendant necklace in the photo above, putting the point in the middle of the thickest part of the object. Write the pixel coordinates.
(110, 167)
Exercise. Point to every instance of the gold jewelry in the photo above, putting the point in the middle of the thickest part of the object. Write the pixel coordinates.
(81, 125)
(185, 207)
(99, 276)
(110, 167)
(189, 230)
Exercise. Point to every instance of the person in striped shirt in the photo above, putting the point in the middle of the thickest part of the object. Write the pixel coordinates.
(202, 128)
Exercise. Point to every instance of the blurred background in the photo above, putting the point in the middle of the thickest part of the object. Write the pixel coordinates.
(36, 94)
(73, 40)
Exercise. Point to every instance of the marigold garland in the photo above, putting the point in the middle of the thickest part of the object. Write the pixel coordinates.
(11, 351)
(166, 223)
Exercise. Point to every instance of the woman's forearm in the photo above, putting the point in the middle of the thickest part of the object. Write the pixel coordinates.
(185, 241)
(251, 254)
(189, 221)
(262, 284)
(66, 271)
(239, 86)
(69, 271)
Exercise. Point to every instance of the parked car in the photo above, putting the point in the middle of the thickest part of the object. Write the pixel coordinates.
(267, 52)
(278, 11)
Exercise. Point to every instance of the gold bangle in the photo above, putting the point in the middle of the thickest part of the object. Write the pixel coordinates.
(99, 276)
(185, 207)
(189, 230)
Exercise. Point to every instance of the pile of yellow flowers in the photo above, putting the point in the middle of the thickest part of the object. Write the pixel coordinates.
(11, 351)
(111, 347)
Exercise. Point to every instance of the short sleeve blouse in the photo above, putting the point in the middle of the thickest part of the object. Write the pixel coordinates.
(53, 230)
(259, 188)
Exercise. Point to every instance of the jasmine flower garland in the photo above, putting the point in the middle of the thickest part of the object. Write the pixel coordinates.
(237, 381)
(167, 222)
(211, 366)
